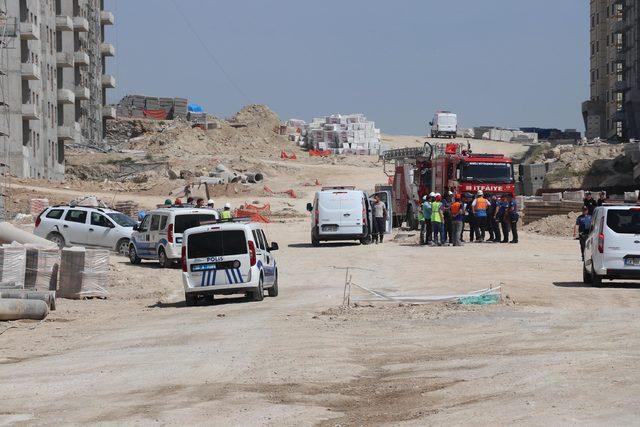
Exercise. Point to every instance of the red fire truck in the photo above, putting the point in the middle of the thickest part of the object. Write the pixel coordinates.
(415, 172)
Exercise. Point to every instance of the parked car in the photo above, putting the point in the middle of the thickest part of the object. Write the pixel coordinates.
(159, 235)
(344, 213)
(612, 249)
(228, 258)
(85, 226)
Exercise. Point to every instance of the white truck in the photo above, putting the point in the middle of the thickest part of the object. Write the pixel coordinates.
(444, 124)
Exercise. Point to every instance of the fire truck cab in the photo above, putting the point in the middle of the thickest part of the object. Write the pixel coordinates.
(440, 168)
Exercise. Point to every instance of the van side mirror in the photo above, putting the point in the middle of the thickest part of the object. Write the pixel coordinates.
(136, 227)
(274, 247)
(309, 207)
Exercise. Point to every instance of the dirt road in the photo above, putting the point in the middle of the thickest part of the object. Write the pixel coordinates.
(557, 353)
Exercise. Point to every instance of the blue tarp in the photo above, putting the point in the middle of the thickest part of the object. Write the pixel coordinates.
(195, 108)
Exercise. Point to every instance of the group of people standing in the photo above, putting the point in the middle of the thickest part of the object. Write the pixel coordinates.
(490, 218)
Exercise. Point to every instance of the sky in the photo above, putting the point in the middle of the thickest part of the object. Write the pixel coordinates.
(507, 63)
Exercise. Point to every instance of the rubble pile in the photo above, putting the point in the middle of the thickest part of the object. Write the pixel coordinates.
(555, 225)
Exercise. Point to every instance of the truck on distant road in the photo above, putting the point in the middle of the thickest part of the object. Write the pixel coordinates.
(415, 172)
(444, 124)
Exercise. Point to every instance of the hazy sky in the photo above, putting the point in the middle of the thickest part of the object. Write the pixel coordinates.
(510, 63)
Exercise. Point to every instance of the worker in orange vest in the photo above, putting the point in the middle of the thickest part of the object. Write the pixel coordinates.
(480, 206)
(457, 215)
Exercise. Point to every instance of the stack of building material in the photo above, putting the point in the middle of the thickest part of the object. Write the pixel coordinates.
(36, 206)
(166, 104)
(180, 108)
(510, 135)
(83, 273)
(535, 210)
(151, 103)
(41, 268)
(199, 119)
(12, 265)
(350, 134)
(127, 207)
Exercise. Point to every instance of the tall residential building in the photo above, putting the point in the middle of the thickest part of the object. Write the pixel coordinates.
(53, 81)
(613, 110)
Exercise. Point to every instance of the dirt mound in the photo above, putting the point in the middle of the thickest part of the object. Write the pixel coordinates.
(555, 225)
(257, 115)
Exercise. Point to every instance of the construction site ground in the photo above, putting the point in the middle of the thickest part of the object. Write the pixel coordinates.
(554, 350)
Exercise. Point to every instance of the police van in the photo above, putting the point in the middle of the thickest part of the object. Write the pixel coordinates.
(159, 235)
(228, 258)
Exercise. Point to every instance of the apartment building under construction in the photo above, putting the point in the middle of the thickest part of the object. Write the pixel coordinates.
(613, 110)
(52, 83)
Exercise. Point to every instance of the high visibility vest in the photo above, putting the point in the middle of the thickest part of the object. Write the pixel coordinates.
(482, 204)
(435, 212)
(420, 215)
(226, 215)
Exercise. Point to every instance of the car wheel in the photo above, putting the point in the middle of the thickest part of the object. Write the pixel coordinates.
(258, 294)
(211, 300)
(57, 238)
(122, 247)
(366, 240)
(133, 255)
(595, 279)
(273, 290)
(315, 242)
(163, 260)
(586, 277)
(191, 299)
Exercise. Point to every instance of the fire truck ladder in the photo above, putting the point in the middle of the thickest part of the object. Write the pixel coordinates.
(405, 153)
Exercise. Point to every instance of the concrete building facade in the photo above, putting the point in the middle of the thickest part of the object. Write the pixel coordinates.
(53, 82)
(613, 110)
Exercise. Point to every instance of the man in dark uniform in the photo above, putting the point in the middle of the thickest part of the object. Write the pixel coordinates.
(589, 202)
(582, 226)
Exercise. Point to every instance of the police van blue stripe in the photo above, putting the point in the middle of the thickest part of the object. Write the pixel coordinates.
(239, 275)
(229, 281)
(213, 280)
(204, 274)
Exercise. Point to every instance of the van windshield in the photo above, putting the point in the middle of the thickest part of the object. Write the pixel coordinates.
(217, 243)
(624, 221)
(186, 221)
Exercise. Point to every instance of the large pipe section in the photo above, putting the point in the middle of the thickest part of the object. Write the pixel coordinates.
(18, 309)
(10, 234)
(49, 297)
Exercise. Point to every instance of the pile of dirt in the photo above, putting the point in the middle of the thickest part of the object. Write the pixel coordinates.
(592, 166)
(555, 225)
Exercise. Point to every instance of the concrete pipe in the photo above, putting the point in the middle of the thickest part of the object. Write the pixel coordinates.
(48, 297)
(18, 309)
(9, 234)
(221, 168)
(254, 177)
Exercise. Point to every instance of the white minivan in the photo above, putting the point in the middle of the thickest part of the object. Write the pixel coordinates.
(228, 258)
(444, 123)
(159, 235)
(344, 213)
(612, 249)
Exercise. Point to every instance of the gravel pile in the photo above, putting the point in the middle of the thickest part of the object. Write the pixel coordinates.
(555, 225)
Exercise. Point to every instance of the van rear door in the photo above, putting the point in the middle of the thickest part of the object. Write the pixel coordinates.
(185, 221)
(219, 257)
(352, 208)
(621, 236)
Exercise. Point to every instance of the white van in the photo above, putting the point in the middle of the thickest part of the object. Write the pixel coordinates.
(159, 235)
(344, 213)
(228, 258)
(444, 123)
(612, 249)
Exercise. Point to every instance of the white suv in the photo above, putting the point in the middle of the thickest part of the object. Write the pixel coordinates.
(612, 249)
(228, 258)
(85, 226)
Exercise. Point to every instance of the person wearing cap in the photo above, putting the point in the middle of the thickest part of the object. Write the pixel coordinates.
(457, 217)
(502, 216)
(226, 215)
(582, 226)
(480, 206)
(189, 200)
(492, 219)
(514, 216)
(602, 198)
(210, 204)
(436, 220)
(426, 212)
(589, 202)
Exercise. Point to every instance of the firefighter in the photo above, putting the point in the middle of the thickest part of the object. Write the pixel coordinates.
(490, 213)
(503, 218)
(471, 219)
(480, 205)
(448, 222)
(457, 216)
